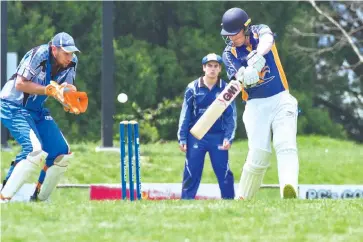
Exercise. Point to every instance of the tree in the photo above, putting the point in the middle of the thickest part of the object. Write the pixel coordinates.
(338, 61)
(158, 51)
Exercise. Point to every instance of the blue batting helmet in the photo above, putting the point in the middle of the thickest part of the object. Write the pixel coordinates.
(233, 21)
(211, 57)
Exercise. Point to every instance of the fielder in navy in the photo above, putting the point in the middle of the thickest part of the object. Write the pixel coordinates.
(198, 96)
(46, 70)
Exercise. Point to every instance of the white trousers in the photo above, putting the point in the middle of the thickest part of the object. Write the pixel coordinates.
(275, 119)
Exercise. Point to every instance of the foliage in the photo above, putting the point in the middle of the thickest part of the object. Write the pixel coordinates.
(159, 122)
(339, 68)
(158, 49)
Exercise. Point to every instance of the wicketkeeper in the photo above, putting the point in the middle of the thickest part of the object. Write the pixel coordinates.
(198, 96)
(46, 70)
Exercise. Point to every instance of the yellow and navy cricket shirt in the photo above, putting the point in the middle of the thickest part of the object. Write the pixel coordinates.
(272, 77)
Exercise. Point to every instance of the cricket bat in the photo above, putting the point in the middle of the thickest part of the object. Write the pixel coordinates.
(215, 110)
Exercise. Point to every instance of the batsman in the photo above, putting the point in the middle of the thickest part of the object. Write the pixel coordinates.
(271, 111)
(47, 70)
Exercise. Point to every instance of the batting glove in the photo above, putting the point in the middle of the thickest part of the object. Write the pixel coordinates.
(251, 77)
(256, 60)
(239, 75)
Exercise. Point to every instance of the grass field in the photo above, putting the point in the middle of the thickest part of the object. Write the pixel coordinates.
(70, 216)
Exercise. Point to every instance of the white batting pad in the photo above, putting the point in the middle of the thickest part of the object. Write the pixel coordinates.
(253, 172)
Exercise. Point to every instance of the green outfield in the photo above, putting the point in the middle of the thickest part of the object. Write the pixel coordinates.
(70, 216)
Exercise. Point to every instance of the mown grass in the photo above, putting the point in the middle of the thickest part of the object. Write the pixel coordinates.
(70, 216)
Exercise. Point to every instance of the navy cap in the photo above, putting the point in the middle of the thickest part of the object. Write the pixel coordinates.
(211, 57)
(64, 41)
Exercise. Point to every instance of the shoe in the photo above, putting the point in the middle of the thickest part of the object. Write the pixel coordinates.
(289, 192)
(34, 197)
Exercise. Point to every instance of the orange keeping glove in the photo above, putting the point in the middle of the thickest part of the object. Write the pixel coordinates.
(72, 101)
(57, 91)
(75, 102)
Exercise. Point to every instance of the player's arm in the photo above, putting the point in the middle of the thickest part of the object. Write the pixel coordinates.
(230, 124)
(185, 118)
(266, 40)
(232, 65)
(28, 68)
(230, 119)
(24, 85)
(248, 76)
(255, 59)
(216, 109)
(27, 86)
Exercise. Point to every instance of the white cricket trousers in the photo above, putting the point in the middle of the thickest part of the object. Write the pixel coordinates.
(275, 119)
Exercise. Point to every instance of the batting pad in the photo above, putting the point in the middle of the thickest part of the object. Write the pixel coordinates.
(252, 174)
(53, 175)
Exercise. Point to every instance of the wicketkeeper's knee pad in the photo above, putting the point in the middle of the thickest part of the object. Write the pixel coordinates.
(36, 157)
(53, 175)
(22, 171)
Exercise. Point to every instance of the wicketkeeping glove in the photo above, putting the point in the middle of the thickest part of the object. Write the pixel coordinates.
(67, 95)
(75, 102)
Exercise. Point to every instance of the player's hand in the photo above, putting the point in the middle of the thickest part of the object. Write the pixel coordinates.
(75, 102)
(183, 147)
(251, 77)
(239, 74)
(72, 101)
(226, 145)
(256, 60)
(57, 91)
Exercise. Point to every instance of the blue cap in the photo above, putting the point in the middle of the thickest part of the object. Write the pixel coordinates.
(64, 41)
(211, 57)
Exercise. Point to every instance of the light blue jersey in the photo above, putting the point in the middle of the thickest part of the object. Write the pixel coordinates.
(36, 67)
(31, 124)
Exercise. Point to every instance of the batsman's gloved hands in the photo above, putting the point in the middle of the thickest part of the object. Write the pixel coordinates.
(250, 77)
(256, 60)
(239, 74)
